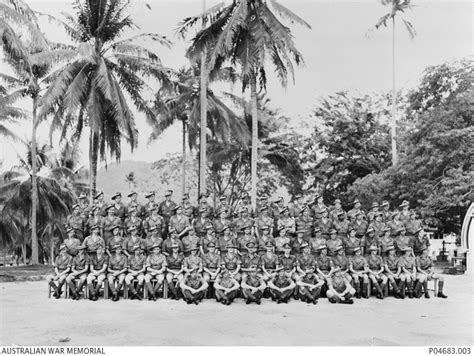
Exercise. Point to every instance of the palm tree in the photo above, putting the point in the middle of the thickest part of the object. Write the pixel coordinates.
(31, 57)
(9, 113)
(247, 32)
(184, 104)
(396, 7)
(91, 89)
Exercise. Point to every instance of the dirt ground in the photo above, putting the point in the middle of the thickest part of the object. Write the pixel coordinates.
(28, 317)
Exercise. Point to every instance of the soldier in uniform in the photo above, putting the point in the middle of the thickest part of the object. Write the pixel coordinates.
(402, 241)
(116, 238)
(109, 221)
(264, 238)
(405, 213)
(324, 265)
(133, 219)
(359, 225)
(119, 209)
(296, 206)
(369, 240)
(94, 241)
(132, 241)
(337, 209)
(153, 239)
(424, 266)
(281, 286)
(210, 236)
(172, 240)
(79, 268)
(281, 240)
(413, 224)
(408, 265)
(309, 286)
(191, 240)
(245, 203)
(395, 224)
(100, 203)
(276, 209)
(194, 287)
(76, 221)
(71, 242)
(385, 242)
(376, 268)
(304, 222)
(62, 267)
(317, 241)
(179, 222)
(358, 267)
(96, 218)
(421, 242)
(118, 267)
(386, 214)
(223, 220)
(192, 261)
(211, 263)
(392, 270)
(341, 225)
(351, 243)
(374, 210)
(339, 289)
(304, 260)
(333, 243)
(84, 205)
(136, 271)
(225, 239)
(243, 240)
(378, 225)
(318, 208)
(154, 220)
(146, 209)
(98, 272)
(188, 208)
(167, 208)
(357, 208)
(263, 202)
(298, 242)
(226, 286)
(341, 263)
(133, 203)
(324, 224)
(232, 262)
(253, 285)
(269, 261)
(202, 222)
(250, 258)
(155, 269)
(223, 205)
(203, 207)
(264, 221)
(286, 221)
(288, 261)
(175, 269)
(243, 220)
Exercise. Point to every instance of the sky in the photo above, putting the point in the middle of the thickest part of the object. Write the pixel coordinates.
(338, 55)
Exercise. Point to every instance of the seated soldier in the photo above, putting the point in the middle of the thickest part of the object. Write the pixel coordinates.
(232, 262)
(136, 271)
(155, 269)
(80, 266)
(316, 241)
(190, 240)
(324, 265)
(118, 267)
(263, 239)
(424, 265)
(71, 242)
(358, 268)
(281, 286)
(211, 263)
(253, 285)
(193, 287)
(288, 262)
(376, 268)
(193, 261)
(226, 287)
(244, 239)
(172, 240)
(62, 267)
(339, 289)
(268, 262)
(93, 241)
(129, 243)
(341, 263)
(392, 271)
(309, 286)
(98, 272)
(175, 270)
(115, 239)
(281, 240)
(153, 238)
(333, 243)
(408, 266)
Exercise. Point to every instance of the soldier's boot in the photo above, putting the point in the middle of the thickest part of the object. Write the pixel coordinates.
(402, 288)
(417, 289)
(72, 288)
(150, 290)
(133, 292)
(113, 291)
(55, 289)
(357, 288)
(296, 293)
(60, 288)
(425, 288)
(365, 286)
(440, 290)
(308, 297)
(97, 290)
(347, 299)
(90, 286)
(410, 290)
(79, 290)
(139, 291)
(379, 290)
(317, 292)
(174, 293)
(383, 286)
(396, 291)
(156, 290)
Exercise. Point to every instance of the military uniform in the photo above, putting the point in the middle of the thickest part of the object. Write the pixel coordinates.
(136, 271)
(281, 281)
(169, 242)
(351, 244)
(309, 286)
(77, 222)
(189, 241)
(408, 265)
(226, 281)
(420, 243)
(211, 262)
(338, 284)
(97, 263)
(232, 263)
(152, 240)
(62, 265)
(80, 262)
(193, 287)
(325, 225)
(118, 266)
(109, 222)
(201, 225)
(253, 287)
(130, 242)
(154, 221)
(375, 264)
(324, 264)
(392, 270)
(92, 243)
(72, 244)
(358, 265)
(178, 223)
(306, 224)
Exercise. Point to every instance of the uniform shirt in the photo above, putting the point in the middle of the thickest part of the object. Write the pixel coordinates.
(231, 262)
(194, 281)
(97, 262)
(118, 263)
(62, 262)
(395, 225)
(360, 227)
(115, 240)
(341, 261)
(188, 210)
(175, 263)
(375, 263)
(407, 262)
(253, 280)
(95, 220)
(77, 223)
(354, 212)
(93, 243)
(424, 262)
(136, 221)
(156, 261)
(80, 262)
(220, 223)
(306, 261)
(402, 242)
(85, 211)
(342, 228)
(279, 243)
(120, 211)
(385, 243)
(136, 263)
(334, 214)
(325, 225)
(224, 242)
(192, 261)
(130, 242)
(392, 263)
(420, 244)
(317, 210)
(108, 222)
(152, 221)
(288, 223)
(371, 215)
(306, 224)
(242, 242)
(226, 281)
(412, 225)
(263, 240)
(209, 210)
(315, 243)
(358, 262)
(281, 281)
(179, 223)
(332, 246)
(350, 244)
(338, 283)
(165, 209)
(191, 241)
(71, 245)
(152, 240)
(369, 241)
(146, 210)
(288, 262)
(296, 246)
(324, 263)
(200, 225)
(404, 217)
(310, 278)
(206, 240)
(264, 221)
(248, 260)
(378, 227)
(170, 242)
(211, 261)
(269, 261)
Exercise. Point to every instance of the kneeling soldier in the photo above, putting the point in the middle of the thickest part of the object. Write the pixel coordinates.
(62, 266)
(118, 267)
(98, 272)
(359, 268)
(309, 286)
(424, 265)
(392, 270)
(376, 268)
(193, 287)
(226, 286)
(253, 285)
(80, 266)
(155, 269)
(281, 286)
(136, 271)
(339, 289)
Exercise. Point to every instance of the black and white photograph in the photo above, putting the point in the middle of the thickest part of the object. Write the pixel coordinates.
(236, 173)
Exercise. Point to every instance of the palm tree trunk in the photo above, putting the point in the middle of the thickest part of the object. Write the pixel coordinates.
(183, 174)
(254, 154)
(394, 99)
(91, 195)
(34, 189)
(202, 142)
(94, 162)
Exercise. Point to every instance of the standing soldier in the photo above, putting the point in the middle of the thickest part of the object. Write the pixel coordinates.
(309, 286)
(386, 214)
(79, 268)
(62, 267)
(408, 265)
(351, 243)
(193, 287)
(225, 239)
(374, 210)
(405, 213)
(243, 240)
(336, 210)
(95, 218)
(84, 206)
(136, 271)
(77, 222)
(71, 242)
(109, 222)
(264, 221)
(223, 219)
(223, 205)
(253, 285)
(395, 224)
(376, 268)
(424, 265)
(385, 243)
(210, 236)
(202, 222)
(304, 222)
(296, 206)
(191, 240)
(263, 202)
(281, 286)
(358, 267)
(146, 209)
(211, 262)
(94, 241)
(357, 208)
(116, 238)
(245, 203)
(100, 203)
(203, 207)
(174, 267)
(333, 243)
(276, 208)
(392, 270)
(232, 262)
(402, 241)
(360, 225)
(421, 242)
(317, 241)
(179, 222)
(325, 224)
(339, 289)
(297, 243)
(281, 240)
(154, 220)
(152, 239)
(226, 286)
(133, 219)
(118, 267)
(269, 261)
(134, 203)
(188, 208)
(324, 265)
(155, 269)
(413, 224)
(341, 225)
(132, 241)
(286, 221)
(369, 240)
(119, 209)
(171, 241)
(378, 225)
(98, 272)
(167, 208)
(264, 238)
(318, 208)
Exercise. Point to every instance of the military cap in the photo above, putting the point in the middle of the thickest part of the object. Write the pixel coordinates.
(224, 228)
(150, 194)
(230, 246)
(83, 196)
(269, 244)
(375, 204)
(222, 197)
(69, 228)
(356, 201)
(386, 228)
(279, 268)
(211, 244)
(284, 210)
(300, 231)
(322, 247)
(250, 245)
(352, 228)
(337, 201)
(94, 208)
(168, 193)
(385, 203)
(263, 208)
(263, 197)
(210, 227)
(177, 207)
(355, 249)
(131, 194)
(303, 208)
(98, 194)
(317, 229)
(340, 212)
(246, 226)
(132, 209)
(389, 248)
(304, 245)
(110, 206)
(297, 196)
(62, 247)
(405, 203)
(281, 228)
(116, 195)
(75, 206)
(136, 247)
(333, 231)
(373, 248)
(185, 196)
(286, 245)
(115, 226)
(152, 228)
(418, 230)
(155, 245)
(174, 245)
(338, 248)
(203, 195)
(132, 228)
(370, 229)
(202, 209)
(192, 248)
(95, 227)
(116, 246)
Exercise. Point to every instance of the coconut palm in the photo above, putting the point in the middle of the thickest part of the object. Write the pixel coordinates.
(248, 32)
(396, 7)
(9, 113)
(30, 57)
(92, 89)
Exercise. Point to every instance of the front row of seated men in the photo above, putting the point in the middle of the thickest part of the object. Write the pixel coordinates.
(252, 276)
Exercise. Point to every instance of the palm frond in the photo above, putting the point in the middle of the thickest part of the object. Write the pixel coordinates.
(287, 13)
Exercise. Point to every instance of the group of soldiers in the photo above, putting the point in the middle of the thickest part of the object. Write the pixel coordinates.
(298, 250)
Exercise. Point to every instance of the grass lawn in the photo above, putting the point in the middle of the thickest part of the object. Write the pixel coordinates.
(15, 273)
